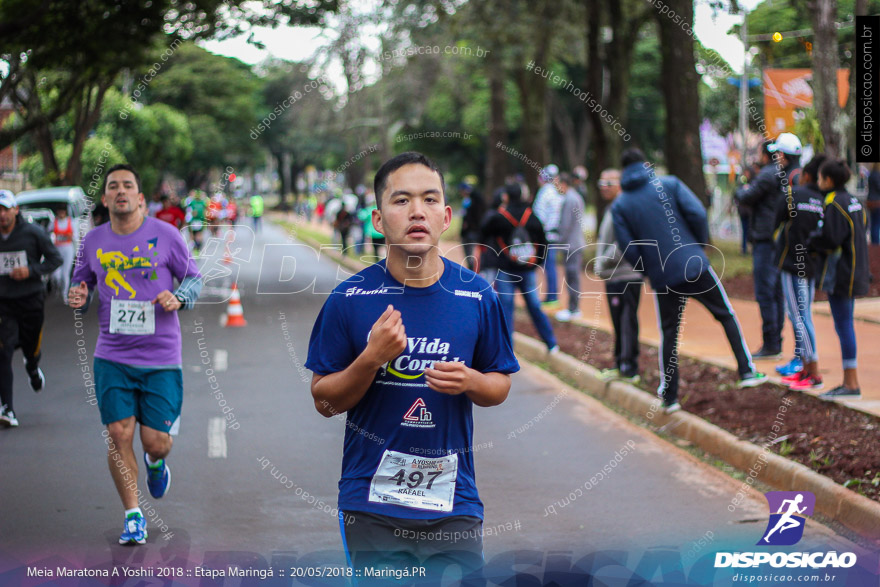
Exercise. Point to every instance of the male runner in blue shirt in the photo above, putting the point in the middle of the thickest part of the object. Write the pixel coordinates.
(407, 347)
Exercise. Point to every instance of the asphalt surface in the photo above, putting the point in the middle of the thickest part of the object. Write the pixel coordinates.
(245, 495)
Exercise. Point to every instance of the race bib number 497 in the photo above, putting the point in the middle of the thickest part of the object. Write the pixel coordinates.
(132, 317)
(415, 482)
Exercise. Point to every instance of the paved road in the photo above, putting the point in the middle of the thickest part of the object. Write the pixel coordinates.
(243, 495)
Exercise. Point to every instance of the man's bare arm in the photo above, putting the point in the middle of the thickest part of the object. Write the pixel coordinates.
(339, 392)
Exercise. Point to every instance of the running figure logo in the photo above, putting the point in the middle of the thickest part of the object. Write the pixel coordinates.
(789, 511)
(115, 262)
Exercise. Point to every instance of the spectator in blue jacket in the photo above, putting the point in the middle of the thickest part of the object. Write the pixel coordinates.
(661, 227)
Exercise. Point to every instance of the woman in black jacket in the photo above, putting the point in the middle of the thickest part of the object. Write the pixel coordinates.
(844, 274)
(515, 230)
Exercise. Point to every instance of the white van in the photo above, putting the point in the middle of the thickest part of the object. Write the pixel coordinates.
(39, 206)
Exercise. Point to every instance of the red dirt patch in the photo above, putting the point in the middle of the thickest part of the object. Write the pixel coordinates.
(829, 438)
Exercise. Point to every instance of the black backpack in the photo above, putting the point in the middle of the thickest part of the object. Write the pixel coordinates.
(520, 249)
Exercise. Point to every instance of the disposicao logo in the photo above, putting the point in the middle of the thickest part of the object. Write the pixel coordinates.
(789, 511)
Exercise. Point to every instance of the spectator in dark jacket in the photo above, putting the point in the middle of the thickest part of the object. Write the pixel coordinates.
(874, 202)
(490, 252)
(623, 287)
(845, 273)
(670, 225)
(763, 196)
(518, 258)
(474, 209)
(798, 216)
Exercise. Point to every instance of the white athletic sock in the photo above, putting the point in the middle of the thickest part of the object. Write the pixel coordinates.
(151, 462)
(133, 511)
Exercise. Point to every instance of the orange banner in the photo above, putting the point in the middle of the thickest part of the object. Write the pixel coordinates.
(787, 90)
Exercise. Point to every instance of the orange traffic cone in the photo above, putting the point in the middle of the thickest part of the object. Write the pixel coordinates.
(234, 312)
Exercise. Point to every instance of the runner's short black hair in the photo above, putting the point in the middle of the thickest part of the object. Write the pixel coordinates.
(380, 182)
(812, 168)
(125, 167)
(631, 156)
(837, 171)
(514, 193)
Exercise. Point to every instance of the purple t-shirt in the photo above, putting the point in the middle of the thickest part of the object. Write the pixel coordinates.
(137, 267)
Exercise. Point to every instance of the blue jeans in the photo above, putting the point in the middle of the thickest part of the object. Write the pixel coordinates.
(842, 311)
(799, 293)
(551, 282)
(744, 223)
(506, 284)
(875, 226)
(768, 293)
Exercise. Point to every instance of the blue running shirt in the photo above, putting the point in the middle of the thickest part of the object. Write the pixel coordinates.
(407, 450)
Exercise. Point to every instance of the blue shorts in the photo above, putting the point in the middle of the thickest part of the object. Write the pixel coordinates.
(153, 396)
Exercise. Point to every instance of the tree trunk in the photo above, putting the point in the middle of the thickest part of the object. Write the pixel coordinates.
(87, 112)
(283, 176)
(608, 81)
(825, 65)
(533, 98)
(574, 136)
(296, 168)
(594, 85)
(496, 160)
(680, 81)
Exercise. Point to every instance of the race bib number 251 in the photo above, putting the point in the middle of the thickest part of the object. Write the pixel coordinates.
(132, 317)
(415, 482)
(12, 260)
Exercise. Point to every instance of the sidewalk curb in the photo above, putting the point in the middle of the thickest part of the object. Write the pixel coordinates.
(856, 512)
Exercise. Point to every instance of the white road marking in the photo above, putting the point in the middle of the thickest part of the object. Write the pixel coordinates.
(217, 438)
(220, 360)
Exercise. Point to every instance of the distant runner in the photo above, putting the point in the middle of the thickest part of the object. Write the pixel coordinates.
(133, 261)
(26, 255)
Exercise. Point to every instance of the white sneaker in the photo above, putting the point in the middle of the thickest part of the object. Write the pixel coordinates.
(575, 315)
(554, 350)
(676, 407)
(7, 418)
(563, 315)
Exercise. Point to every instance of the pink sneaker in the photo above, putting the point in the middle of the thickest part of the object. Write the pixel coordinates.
(794, 378)
(810, 382)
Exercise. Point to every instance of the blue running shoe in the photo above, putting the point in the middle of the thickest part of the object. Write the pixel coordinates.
(135, 531)
(158, 478)
(790, 368)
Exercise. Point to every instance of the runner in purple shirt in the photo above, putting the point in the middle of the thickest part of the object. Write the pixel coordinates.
(133, 262)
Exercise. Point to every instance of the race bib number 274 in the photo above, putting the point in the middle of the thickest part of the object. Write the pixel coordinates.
(132, 317)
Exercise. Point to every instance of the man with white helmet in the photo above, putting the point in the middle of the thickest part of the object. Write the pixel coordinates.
(548, 209)
(780, 169)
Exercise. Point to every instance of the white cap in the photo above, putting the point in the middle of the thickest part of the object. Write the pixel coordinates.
(549, 172)
(7, 200)
(786, 143)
